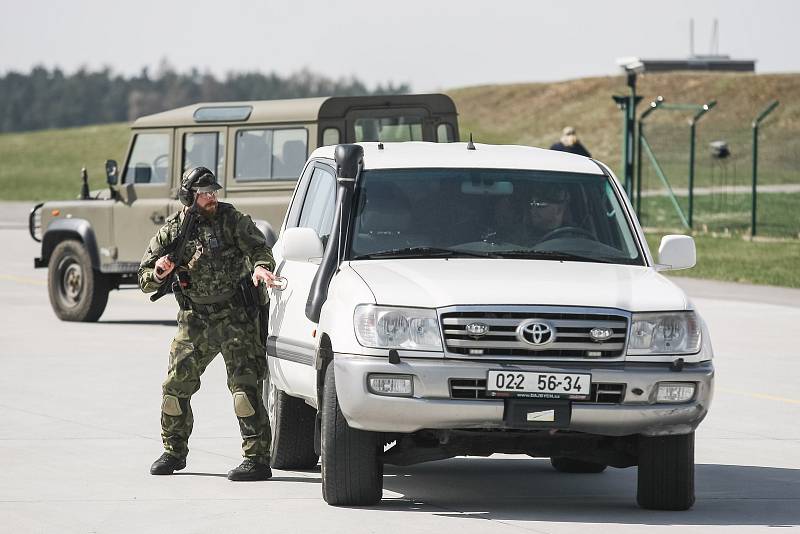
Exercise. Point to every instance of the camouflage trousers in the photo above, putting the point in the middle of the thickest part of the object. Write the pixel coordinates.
(200, 338)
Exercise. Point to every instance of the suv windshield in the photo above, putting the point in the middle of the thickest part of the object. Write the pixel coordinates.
(490, 213)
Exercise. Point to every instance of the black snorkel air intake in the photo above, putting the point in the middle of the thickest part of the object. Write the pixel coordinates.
(349, 162)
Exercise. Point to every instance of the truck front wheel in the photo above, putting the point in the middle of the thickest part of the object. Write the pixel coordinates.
(292, 422)
(352, 471)
(77, 292)
(666, 472)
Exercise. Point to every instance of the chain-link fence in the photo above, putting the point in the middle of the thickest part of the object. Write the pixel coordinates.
(720, 200)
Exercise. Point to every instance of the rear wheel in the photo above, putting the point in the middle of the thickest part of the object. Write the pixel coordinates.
(569, 465)
(352, 471)
(666, 472)
(292, 424)
(77, 291)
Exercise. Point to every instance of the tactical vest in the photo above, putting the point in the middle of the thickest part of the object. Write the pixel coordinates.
(212, 258)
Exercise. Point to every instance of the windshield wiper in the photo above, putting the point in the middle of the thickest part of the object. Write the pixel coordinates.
(534, 254)
(435, 252)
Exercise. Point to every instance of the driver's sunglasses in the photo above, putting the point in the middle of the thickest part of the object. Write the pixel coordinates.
(544, 203)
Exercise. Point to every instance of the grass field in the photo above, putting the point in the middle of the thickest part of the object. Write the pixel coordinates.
(737, 260)
(46, 165)
(778, 214)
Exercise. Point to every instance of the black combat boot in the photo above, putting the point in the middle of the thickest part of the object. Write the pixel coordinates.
(250, 470)
(166, 464)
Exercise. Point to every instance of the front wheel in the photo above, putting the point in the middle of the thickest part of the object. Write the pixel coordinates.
(292, 424)
(666, 472)
(352, 471)
(77, 292)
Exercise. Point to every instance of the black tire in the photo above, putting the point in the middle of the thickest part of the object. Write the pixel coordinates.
(569, 465)
(352, 471)
(666, 472)
(77, 292)
(292, 424)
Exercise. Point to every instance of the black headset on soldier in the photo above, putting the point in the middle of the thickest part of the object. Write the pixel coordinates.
(188, 181)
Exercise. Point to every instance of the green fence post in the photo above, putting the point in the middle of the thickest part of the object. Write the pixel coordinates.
(692, 141)
(653, 106)
(754, 193)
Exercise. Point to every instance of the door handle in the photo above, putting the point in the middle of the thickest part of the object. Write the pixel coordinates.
(157, 218)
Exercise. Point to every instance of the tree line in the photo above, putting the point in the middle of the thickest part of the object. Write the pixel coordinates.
(45, 98)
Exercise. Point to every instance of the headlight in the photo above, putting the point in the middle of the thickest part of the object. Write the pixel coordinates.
(384, 327)
(664, 333)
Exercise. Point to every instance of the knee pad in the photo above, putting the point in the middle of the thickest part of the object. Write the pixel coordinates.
(171, 406)
(241, 405)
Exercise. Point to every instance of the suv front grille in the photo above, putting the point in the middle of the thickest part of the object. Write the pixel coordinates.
(500, 341)
(601, 393)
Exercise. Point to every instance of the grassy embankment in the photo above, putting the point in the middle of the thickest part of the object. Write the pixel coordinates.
(46, 165)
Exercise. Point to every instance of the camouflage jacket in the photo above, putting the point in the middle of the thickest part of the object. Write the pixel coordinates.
(223, 249)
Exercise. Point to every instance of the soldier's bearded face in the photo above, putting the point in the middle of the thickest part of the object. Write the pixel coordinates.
(207, 203)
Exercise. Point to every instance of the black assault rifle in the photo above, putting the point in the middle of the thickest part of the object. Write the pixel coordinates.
(175, 252)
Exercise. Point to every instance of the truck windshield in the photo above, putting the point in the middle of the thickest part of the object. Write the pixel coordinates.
(491, 213)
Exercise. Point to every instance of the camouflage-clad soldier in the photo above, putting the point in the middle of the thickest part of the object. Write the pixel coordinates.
(214, 317)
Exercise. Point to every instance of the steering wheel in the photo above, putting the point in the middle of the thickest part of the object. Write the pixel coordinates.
(575, 230)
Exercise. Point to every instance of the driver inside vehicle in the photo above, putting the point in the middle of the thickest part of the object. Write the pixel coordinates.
(548, 210)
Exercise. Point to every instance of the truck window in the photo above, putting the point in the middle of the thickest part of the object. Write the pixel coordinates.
(320, 204)
(149, 160)
(270, 154)
(205, 149)
(444, 133)
(388, 129)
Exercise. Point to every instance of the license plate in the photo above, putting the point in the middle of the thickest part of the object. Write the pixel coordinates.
(538, 385)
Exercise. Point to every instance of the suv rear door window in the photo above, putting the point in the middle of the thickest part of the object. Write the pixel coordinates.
(270, 154)
(149, 161)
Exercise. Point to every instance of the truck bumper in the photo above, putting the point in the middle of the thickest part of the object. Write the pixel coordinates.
(431, 406)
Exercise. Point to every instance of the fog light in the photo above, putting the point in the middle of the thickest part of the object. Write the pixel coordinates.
(675, 392)
(391, 385)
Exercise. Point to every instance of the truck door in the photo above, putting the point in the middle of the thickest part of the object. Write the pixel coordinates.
(292, 342)
(146, 182)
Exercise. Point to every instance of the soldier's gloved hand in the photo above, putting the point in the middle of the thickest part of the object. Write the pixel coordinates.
(163, 267)
(262, 274)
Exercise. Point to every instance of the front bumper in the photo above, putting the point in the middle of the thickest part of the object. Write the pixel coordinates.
(432, 408)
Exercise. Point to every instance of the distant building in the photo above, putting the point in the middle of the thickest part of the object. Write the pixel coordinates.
(713, 61)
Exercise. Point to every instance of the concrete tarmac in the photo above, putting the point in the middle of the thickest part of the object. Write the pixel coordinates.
(79, 427)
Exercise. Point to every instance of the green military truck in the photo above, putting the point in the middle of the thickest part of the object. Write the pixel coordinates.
(258, 149)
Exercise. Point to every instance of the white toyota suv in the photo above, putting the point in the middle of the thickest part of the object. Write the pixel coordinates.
(458, 299)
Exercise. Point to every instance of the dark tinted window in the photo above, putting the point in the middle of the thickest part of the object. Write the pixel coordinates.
(516, 213)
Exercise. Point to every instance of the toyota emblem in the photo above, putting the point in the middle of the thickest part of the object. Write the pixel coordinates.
(536, 332)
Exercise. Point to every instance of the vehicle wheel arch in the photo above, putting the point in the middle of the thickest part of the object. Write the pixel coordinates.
(78, 229)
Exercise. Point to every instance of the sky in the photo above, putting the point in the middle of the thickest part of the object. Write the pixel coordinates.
(430, 44)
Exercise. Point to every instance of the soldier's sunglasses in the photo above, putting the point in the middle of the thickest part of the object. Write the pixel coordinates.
(209, 194)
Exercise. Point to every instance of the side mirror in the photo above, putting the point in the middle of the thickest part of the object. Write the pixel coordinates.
(676, 252)
(111, 172)
(301, 244)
